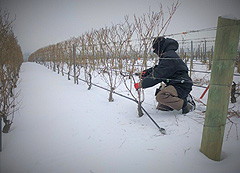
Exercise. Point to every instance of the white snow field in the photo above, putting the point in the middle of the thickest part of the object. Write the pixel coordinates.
(62, 127)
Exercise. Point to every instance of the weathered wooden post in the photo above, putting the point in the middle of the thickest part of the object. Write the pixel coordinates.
(0, 134)
(225, 54)
(191, 62)
(205, 51)
(238, 66)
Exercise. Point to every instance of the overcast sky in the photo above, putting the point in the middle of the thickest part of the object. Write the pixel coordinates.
(43, 22)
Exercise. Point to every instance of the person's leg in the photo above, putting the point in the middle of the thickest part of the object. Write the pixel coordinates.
(168, 97)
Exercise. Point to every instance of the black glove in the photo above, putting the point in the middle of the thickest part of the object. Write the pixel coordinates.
(146, 72)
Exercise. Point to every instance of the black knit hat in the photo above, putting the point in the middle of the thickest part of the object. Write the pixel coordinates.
(158, 45)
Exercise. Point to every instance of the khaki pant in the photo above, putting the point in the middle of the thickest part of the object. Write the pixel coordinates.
(168, 96)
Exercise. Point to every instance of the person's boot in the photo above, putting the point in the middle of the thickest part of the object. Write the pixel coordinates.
(162, 107)
(191, 101)
(188, 105)
(187, 108)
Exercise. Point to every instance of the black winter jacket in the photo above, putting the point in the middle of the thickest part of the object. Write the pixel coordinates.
(171, 70)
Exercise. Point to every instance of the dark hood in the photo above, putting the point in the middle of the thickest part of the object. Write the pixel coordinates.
(162, 45)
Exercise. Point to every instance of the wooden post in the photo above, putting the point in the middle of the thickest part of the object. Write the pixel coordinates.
(238, 66)
(225, 53)
(0, 134)
(205, 51)
(192, 53)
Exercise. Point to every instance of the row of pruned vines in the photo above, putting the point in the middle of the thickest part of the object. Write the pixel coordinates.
(11, 59)
(114, 53)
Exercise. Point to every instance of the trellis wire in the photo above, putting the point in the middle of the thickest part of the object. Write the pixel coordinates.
(162, 130)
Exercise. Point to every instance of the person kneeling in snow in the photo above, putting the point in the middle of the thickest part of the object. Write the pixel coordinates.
(174, 73)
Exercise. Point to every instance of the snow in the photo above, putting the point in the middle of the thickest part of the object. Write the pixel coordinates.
(63, 127)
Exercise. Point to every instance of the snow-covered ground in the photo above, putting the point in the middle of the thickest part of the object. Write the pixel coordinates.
(63, 127)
